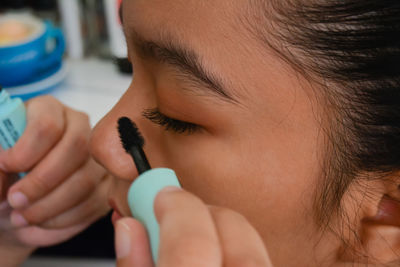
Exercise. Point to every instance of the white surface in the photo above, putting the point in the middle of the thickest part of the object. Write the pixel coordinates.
(64, 262)
(92, 86)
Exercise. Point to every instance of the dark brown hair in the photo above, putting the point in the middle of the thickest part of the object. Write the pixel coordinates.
(352, 49)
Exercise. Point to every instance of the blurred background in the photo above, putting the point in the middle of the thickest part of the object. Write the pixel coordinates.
(89, 74)
(90, 27)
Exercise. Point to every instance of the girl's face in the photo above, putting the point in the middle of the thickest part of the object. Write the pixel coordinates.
(239, 126)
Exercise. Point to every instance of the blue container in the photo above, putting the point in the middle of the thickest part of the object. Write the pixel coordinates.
(21, 61)
(12, 120)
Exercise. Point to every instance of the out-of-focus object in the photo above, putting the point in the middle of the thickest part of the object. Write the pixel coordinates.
(71, 23)
(116, 36)
(42, 84)
(13, 4)
(14, 31)
(12, 120)
(46, 10)
(43, 9)
(28, 49)
(115, 33)
(43, 4)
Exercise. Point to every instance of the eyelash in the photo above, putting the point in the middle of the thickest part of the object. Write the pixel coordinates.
(170, 124)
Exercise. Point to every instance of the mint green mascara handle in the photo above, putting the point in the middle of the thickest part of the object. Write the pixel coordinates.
(141, 197)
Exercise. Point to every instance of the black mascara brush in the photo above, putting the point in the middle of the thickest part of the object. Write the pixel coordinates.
(144, 189)
(133, 143)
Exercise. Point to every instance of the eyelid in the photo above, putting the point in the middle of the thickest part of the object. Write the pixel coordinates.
(170, 124)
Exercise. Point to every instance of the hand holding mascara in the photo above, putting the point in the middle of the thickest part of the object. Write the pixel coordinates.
(12, 119)
(144, 189)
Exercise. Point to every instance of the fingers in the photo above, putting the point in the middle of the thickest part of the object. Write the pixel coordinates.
(45, 126)
(69, 194)
(242, 246)
(64, 188)
(38, 237)
(67, 156)
(79, 218)
(94, 207)
(132, 244)
(191, 234)
(188, 235)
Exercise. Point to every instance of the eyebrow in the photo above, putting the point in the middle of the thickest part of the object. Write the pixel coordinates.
(184, 59)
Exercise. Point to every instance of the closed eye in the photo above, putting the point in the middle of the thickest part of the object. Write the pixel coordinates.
(170, 124)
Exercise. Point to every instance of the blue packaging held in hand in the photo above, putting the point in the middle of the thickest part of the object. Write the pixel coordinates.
(12, 119)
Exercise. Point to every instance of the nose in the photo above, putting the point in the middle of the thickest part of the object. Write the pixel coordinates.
(105, 144)
(106, 148)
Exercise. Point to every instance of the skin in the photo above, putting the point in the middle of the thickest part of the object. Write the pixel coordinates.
(55, 136)
(250, 169)
(251, 153)
(209, 239)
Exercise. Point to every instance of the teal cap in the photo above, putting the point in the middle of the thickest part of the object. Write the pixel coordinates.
(141, 197)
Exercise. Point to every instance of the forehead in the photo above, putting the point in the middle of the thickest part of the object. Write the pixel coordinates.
(188, 13)
(201, 23)
(220, 32)
(213, 29)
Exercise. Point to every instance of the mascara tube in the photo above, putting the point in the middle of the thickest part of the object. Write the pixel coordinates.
(147, 185)
(141, 196)
(12, 120)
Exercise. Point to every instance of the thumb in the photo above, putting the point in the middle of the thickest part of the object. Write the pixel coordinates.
(132, 244)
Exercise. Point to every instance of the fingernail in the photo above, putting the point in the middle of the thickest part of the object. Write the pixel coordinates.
(4, 205)
(171, 189)
(18, 200)
(18, 220)
(122, 240)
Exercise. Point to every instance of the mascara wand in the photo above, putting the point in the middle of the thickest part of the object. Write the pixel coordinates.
(133, 143)
(145, 187)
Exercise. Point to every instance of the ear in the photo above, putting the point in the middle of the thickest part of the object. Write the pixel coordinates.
(379, 222)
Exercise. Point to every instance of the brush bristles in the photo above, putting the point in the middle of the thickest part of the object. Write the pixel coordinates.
(129, 134)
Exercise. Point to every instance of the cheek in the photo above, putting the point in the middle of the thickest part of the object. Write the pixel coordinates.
(271, 185)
